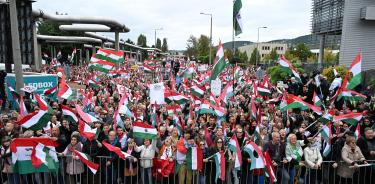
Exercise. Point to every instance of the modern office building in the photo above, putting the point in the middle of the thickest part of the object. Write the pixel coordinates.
(264, 49)
(354, 21)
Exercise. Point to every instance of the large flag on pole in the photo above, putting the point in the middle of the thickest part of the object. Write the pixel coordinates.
(355, 68)
(220, 65)
(289, 67)
(237, 19)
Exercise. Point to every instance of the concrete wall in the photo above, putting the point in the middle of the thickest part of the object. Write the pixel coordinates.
(357, 35)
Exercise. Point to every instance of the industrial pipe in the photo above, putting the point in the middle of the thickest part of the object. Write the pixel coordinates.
(85, 27)
(113, 24)
(68, 39)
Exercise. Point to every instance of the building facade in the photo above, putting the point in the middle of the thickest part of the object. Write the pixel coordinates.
(264, 49)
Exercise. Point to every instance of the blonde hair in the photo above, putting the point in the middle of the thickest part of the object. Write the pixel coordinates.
(290, 136)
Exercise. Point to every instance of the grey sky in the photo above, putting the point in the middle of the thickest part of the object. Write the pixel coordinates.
(181, 18)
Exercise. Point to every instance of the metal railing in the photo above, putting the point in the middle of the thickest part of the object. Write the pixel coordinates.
(129, 171)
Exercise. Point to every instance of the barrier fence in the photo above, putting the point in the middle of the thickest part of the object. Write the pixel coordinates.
(72, 171)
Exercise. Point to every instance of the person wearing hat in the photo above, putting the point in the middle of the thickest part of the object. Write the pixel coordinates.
(313, 161)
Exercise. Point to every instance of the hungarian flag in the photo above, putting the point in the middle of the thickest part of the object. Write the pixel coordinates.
(263, 91)
(295, 102)
(194, 158)
(227, 92)
(35, 120)
(289, 67)
(38, 156)
(148, 69)
(65, 92)
(69, 113)
(220, 166)
(198, 91)
(351, 118)
(33, 155)
(87, 131)
(50, 92)
(101, 65)
(237, 17)
(171, 96)
(234, 146)
(219, 111)
(177, 123)
(14, 94)
(116, 150)
(256, 162)
(87, 160)
(85, 116)
(316, 100)
(23, 110)
(327, 135)
(270, 168)
(188, 73)
(350, 95)
(110, 55)
(144, 131)
(355, 68)
(93, 83)
(205, 108)
(220, 64)
(41, 103)
(236, 72)
(327, 117)
(357, 133)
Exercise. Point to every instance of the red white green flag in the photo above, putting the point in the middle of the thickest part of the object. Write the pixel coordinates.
(171, 96)
(234, 146)
(194, 158)
(295, 102)
(355, 68)
(351, 118)
(116, 150)
(86, 159)
(33, 155)
(289, 67)
(256, 162)
(85, 116)
(86, 131)
(65, 92)
(220, 166)
(220, 64)
(110, 55)
(327, 135)
(316, 100)
(144, 131)
(69, 113)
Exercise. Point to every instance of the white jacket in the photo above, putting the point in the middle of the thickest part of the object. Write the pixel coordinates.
(312, 157)
(147, 154)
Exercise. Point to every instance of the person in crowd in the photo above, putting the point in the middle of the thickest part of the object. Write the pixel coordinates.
(313, 162)
(276, 150)
(352, 157)
(131, 163)
(74, 166)
(367, 145)
(217, 148)
(147, 154)
(111, 162)
(293, 156)
(5, 155)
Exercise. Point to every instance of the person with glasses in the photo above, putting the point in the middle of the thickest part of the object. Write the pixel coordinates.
(218, 147)
(352, 157)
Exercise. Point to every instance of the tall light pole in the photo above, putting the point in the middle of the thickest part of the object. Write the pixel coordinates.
(158, 29)
(209, 14)
(256, 55)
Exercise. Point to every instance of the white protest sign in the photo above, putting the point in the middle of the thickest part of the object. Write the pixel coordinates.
(216, 87)
(157, 93)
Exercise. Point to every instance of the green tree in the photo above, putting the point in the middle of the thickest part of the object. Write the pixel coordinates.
(128, 48)
(278, 73)
(203, 46)
(164, 47)
(302, 52)
(254, 56)
(273, 55)
(328, 72)
(192, 47)
(329, 56)
(142, 40)
(158, 43)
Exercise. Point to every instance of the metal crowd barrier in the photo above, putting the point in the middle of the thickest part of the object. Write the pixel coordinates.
(122, 173)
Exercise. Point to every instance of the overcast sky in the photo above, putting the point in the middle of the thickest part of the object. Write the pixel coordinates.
(181, 18)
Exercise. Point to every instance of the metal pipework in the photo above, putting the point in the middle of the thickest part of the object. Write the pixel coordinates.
(94, 35)
(74, 39)
(85, 27)
(113, 24)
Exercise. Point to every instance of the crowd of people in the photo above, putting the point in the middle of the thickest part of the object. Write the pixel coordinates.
(292, 137)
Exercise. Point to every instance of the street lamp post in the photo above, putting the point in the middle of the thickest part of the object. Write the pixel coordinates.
(209, 14)
(158, 29)
(256, 55)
